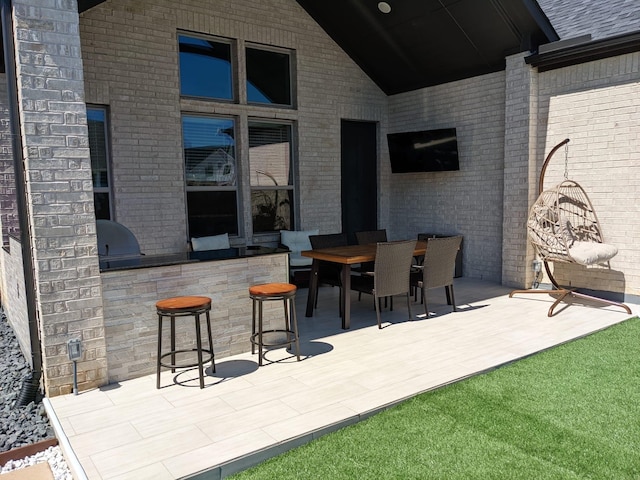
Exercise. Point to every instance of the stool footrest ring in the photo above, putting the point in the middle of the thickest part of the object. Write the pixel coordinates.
(189, 365)
(290, 334)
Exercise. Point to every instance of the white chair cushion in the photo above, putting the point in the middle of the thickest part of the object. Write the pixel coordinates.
(297, 260)
(297, 241)
(214, 242)
(592, 253)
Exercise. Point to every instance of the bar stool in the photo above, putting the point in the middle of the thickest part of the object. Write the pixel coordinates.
(183, 307)
(267, 292)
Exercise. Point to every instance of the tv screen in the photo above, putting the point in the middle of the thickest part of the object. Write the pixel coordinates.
(423, 151)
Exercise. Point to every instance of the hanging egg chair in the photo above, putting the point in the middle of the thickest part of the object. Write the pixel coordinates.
(563, 227)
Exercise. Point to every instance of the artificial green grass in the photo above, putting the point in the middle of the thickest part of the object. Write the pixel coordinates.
(567, 413)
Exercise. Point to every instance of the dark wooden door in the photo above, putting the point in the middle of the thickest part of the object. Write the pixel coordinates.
(359, 159)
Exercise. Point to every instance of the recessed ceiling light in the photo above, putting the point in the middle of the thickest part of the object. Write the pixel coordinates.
(384, 7)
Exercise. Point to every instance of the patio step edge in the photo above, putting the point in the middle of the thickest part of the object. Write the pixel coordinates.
(63, 441)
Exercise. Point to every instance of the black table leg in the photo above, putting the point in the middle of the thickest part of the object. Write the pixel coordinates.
(345, 296)
(313, 288)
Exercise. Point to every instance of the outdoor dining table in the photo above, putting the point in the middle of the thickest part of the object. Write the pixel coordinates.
(345, 256)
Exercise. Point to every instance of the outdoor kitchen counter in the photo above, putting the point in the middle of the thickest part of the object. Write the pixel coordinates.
(125, 262)
(132, 286)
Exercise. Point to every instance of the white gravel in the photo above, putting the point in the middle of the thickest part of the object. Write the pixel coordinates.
(53, 455)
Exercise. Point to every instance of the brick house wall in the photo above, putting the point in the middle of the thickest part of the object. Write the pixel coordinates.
(597, 106)
(466, 202)
(131, 64)
(14, 302)
(60, 194)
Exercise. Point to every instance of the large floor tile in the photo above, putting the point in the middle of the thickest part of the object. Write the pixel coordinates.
(131, 430)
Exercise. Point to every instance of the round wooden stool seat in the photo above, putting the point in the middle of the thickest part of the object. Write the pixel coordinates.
(282, 337)
(272, 289)
(181, 304)
(185, 306)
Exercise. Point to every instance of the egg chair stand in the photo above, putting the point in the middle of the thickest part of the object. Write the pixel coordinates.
(563, 228)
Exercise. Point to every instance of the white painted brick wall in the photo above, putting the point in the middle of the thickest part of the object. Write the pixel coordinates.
(597, 106)
(520, 175)
(466, 202)
(14, 302)
(60, 191)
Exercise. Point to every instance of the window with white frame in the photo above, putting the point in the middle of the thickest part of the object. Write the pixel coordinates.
(215, 188)
(97, 122)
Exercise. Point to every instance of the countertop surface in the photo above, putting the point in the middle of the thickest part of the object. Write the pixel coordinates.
(126, 262)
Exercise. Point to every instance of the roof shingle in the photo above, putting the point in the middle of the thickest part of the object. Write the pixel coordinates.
(599, 18)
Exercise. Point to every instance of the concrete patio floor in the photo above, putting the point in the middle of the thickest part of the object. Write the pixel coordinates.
(246, 414)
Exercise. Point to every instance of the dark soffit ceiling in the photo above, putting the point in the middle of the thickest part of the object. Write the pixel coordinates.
(84, 5)
(421, 43)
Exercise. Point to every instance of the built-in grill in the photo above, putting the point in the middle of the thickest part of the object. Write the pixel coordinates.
(115, 241)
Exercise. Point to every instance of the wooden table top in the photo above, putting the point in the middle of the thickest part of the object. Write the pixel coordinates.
(350, 254)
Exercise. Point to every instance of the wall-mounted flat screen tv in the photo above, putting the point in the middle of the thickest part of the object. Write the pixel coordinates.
(424, 151)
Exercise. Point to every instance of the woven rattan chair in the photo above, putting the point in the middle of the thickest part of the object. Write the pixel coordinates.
(563, 228)
(328, 272)
(438, 268)
(390, 274)
(365, 238)
(371, 236)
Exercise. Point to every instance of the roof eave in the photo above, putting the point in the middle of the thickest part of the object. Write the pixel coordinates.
(84, 5)
(585, 52)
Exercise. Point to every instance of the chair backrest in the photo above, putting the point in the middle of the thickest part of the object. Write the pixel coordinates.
(371, 236)
(115, 239)
(440, 261)
(213, 242)
(328, 240)
(563, 217)
(296, 242)
(392, 267)
(329, 272)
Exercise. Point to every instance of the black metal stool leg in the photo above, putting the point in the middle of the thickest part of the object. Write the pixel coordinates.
(159, 350)
(295, 327)
(199, 350)
(253, 326)
(213, 357)
(173, 342)
(287, 325)
(260, 333)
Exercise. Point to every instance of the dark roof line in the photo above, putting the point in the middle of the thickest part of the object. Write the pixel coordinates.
(84, 5)
(552, 59)
(541, 19)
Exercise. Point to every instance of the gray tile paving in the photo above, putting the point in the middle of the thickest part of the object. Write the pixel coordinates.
(245, 414)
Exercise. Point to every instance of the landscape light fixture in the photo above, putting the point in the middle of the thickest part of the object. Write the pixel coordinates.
(537, 269)
(74, 348)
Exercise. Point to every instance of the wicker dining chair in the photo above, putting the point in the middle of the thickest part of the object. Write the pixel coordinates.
(365, 238)
(371, 236)
(391, 274)
(438, 268)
